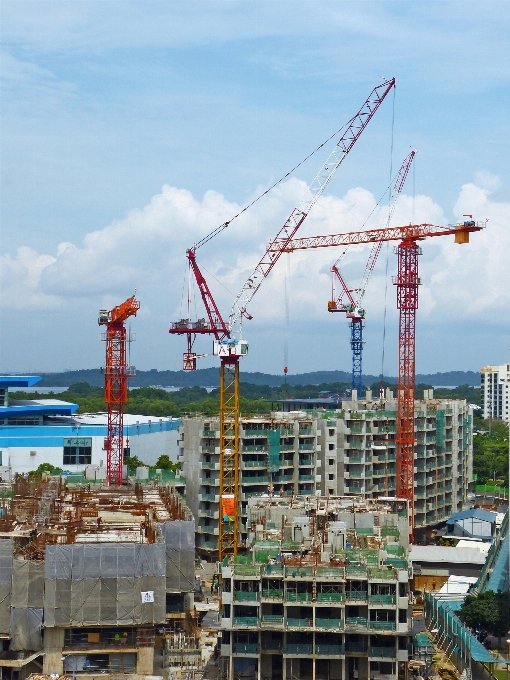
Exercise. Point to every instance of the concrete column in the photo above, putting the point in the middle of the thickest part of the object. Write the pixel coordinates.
(53, 647)
(145, 661)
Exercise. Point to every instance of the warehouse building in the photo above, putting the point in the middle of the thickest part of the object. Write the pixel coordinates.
(50, 431)
(323, 593)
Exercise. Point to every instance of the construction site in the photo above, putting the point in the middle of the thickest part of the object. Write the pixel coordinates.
(94, 581)
(305, 515)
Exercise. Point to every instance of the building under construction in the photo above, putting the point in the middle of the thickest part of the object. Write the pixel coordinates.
(331, 448)
(323, 593)
(91, 580)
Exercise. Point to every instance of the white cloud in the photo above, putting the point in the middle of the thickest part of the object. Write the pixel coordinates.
(146, 250)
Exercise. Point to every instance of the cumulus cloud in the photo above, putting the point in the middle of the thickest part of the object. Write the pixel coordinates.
(146, 250)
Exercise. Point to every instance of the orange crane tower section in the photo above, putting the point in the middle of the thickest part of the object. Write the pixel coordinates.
(407, 282)
(116, 375)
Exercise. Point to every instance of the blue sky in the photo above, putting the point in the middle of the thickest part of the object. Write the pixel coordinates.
(106, 103)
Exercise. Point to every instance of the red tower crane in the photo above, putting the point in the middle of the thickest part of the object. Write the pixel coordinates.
(229, 349)
(407, 282)
(116, 375)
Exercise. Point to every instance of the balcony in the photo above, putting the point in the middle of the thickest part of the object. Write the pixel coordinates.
(298, 623)
(209, 497)
(382, 625)
(305, 478)
(306, 447)
(210, 466)
(298, 597)
(204, 529)
(272, 594)
(272, 620)
(212, 514)
(297, 650)
(382, 599)
(208, 448)
(305, 462)
(255, 479)
(329, 624)
(305, 431)
(254, 448)
(359, 622)
(211, 434)
(253, 464)
(254, 433)
(353, 596)
(246, 596)
(382, 652)
(246, 621)
(245, 648)
(330, 650)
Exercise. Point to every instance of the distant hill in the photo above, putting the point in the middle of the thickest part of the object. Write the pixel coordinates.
(206, 377)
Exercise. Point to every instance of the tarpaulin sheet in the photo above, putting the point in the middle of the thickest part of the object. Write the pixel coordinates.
(25, 630)
(6, 545)
(179, 538)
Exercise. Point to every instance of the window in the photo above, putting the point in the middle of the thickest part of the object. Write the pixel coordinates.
(331, 477)
(331, 447)
(331, 492)
(77, 455)
(331, 461)
(331, 433)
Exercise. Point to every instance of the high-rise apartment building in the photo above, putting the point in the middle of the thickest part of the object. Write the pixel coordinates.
(495, 383)
(347, 450)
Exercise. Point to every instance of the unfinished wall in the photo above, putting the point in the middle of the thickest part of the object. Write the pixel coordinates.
(103, 584)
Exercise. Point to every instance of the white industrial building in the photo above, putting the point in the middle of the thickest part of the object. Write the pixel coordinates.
(50, 431)
(495, 383)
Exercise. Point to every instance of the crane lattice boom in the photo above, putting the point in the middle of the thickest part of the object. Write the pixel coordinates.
(354, 129)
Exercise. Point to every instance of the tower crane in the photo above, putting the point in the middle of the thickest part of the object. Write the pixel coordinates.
(116, 375)
(229, 348)
(407, 282)
(352, 307)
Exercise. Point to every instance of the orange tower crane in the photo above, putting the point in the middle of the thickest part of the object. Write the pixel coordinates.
(116, 375)
(407, 282)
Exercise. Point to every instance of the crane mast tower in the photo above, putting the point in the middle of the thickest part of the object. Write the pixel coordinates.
(116, 375)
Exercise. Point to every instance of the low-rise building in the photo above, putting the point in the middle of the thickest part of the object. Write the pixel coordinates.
(88, 579)
(322, 593)
(50, 431)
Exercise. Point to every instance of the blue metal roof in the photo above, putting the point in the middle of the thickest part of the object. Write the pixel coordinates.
(19, 380)
(46, 407)
(473, 513)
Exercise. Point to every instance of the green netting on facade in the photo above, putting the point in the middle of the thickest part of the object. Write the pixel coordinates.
(439, 429)
(273, 438)
(390, 531)
(262, 556)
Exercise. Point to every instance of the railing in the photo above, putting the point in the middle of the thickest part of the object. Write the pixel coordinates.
(246, 621)
(246, 596)
(299, 572)
(298, 623)
(381, 573)
(305, 431)
(305, 478)
(208, 448)
(297, 650)
(306, 447)
(210, 466)
(356, 596)
(332, 572)
(354, 459)
(382, 625)
(382, 599)
(246, 570)
(329, 623)
(254, 463)
(356, 622)
(209, 433)
(273, 619)
(298, 597)
(255, 479)
(272, 594)
(208, 496)
(382, 652)
(330, 597)
(255, 433)
(258, 448)
(273, 570)
(330, 650)
(306, 461)
(207, 529)
(355, 648)
(245, 648)
(355, 570)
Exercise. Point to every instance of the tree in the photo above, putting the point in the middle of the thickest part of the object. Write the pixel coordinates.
(164, 463)
(44, 467)
(487, 611)
(133, 462)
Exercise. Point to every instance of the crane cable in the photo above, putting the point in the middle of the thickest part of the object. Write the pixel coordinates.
(286, 327)
(387, 250)
(223, 226)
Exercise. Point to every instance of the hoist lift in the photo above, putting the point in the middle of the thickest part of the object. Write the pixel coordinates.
(228, 344)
